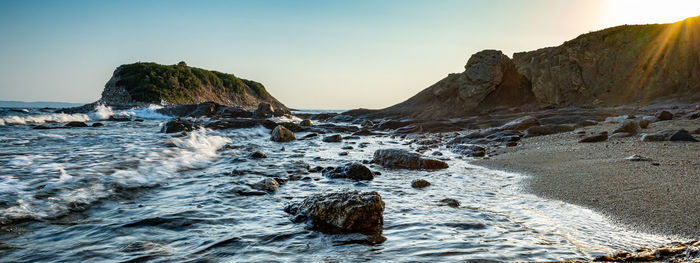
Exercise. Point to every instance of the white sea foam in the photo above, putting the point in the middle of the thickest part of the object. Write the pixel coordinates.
(41, 119)
(69, 189)
(149, 112)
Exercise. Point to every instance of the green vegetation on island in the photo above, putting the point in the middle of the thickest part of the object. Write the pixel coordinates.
(151, 82)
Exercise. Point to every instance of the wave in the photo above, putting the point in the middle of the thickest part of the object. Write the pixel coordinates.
(52, 190)
(101, 112)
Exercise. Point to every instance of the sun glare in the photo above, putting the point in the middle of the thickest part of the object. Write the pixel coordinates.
(619, 12)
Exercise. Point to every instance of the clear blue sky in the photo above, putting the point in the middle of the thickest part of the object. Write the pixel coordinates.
(309, 54)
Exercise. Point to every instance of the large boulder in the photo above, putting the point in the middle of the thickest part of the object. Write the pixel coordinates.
(341, 212)
(177, 125)
(282, 134)
(664, 115)
(399, 158)
(354, 171)
(682, 136)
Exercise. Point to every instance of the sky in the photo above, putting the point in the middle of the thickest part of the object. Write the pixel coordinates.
(308, 54)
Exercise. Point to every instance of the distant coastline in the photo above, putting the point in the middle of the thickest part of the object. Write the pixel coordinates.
(37, 104)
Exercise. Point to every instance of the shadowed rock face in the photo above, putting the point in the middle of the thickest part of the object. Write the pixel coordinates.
(625, 65)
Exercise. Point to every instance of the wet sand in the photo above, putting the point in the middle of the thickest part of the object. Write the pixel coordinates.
(660, 199)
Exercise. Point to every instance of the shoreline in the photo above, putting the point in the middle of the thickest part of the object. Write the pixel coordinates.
(642, 196)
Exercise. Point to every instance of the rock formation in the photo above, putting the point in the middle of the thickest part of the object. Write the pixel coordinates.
(624, 65)
(142, 83)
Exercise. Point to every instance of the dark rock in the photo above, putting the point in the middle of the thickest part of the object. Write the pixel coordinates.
(682, 135)
(354, 171)
(341, 118)
(437, 153)
(234, 112)
(364, 132)
(310, 135)
(419, 183)
(76, 124)
(306, 122)
(177, 125)
(292, 126)
(469, 150)
(367, 123)
(696, 131)
(343, 153)
(282, 134)
(450, 202)
(48, 127)
(258, 155)
(655, 137)
(341, 212)
(268, 185)
(643, 123)
(205, 109)
(511, 144)
(664, 116)
(628, 126)
(603, 136)
(279, 113)
(333, 138)
(347, 147)
(265, 110)
(548, 129)
(323, 116)
(97, 124)
(399, 158)
(118, 119)
(240, 124)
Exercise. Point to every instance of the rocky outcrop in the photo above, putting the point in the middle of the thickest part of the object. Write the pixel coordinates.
(354, 171)
(142, 83)
(341, 212)
(624, 65)
(399, 158)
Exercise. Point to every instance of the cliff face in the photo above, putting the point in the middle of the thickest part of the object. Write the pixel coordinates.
(631, 65)
(622, 65)
(144, 83)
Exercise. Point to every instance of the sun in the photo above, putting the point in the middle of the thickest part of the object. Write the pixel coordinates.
(620, 12)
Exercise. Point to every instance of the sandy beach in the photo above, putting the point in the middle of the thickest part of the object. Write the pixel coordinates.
(658, 196)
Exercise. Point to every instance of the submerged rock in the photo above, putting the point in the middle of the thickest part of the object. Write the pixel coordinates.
(76, 124)
(354, 171)
(341, 212)
(240, 124)
(258, 155)
(420, 183)
(398, 158)
(177, 125)
(450, 202)
(282, 134)
(268, 184)
(97, 124)
(333, 138)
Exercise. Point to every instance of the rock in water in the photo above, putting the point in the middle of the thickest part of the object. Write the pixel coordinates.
(450, 202)
(341, 212)
(683, 136)
(354, 171)
(521, 124)
(258, 155)
(628, 126)
(469, 150)
(268, 184)
(603, 136)
(399, 158)
(282, 134)
(76, 124)
(97, 124)
(306, 122)
(664, 116)
(177, 125)
(643, 123)
(420, 183)
(333, 138)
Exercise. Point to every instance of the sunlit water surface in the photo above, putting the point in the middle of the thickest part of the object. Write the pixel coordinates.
(126, 192)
